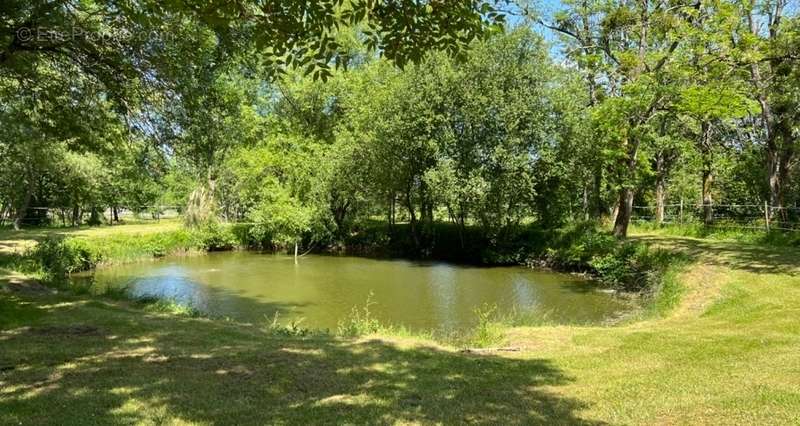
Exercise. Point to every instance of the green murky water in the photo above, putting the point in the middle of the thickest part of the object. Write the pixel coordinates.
(322, 290)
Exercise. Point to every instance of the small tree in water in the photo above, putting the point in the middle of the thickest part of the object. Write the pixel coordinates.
(280, 219)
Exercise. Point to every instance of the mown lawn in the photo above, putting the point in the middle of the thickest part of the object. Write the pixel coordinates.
(728, 353)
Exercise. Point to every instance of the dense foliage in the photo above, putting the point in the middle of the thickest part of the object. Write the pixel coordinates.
(313, 121)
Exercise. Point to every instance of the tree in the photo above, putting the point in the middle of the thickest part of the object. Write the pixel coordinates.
(634, 42)
(280, 218)
(766, 46)
(166, 71)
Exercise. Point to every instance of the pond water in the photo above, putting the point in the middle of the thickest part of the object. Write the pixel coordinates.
(322, 290)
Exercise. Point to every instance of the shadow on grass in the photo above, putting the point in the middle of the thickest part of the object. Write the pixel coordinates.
(109, 365)
(739, 256)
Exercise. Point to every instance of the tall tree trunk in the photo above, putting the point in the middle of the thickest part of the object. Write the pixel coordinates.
(22, 208)
(626, 194)
(599, 209)
(585, 202)
(779, 163)
(787, 155)
(426, 206)
(94, 216)
(201, 207)
(624, 212)
(412, 219)
(708, 202)
(768, 116)
(21, 211)
(660, 195)
(76, 215)
(392, 211)
(706, 151)
(773, 172)
(661, 177)
(614, 212)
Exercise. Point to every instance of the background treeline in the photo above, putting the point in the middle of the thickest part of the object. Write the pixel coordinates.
(641, 102)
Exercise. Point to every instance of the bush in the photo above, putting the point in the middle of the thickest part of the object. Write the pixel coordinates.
(570, 248)
(571, 252)
(626, 265)
(60, 257)
(214, 237)
(242, 233)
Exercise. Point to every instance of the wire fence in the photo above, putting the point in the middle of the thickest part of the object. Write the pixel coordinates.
(737, 216)
(740, 216)
(69, 216)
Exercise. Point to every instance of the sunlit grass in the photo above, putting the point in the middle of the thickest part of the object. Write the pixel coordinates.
(722, 232)
(18, 241)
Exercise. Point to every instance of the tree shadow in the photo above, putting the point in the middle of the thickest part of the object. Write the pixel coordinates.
(133, 368)
(738, 256)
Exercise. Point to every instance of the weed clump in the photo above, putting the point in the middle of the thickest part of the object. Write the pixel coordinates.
(360, 322)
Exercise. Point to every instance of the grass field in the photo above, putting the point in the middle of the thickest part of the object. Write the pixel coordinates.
(726, 353)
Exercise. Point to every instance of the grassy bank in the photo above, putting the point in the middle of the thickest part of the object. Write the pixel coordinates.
(725, 353)
(49, 254)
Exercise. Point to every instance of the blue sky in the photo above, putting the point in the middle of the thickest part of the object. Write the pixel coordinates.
(546, 8)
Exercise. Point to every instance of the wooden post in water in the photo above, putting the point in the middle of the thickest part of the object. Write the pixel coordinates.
(295, 252)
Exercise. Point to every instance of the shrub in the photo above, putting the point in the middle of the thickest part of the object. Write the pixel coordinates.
(570, 248)
(624, 264)
(241, 232)
(214, 237)
(59, 257)
(488, 331)
(631, 266)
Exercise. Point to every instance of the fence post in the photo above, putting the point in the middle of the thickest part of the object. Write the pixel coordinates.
(681, 212)
(766, 214)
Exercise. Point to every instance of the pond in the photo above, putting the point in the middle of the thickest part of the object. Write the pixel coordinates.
(322, 290)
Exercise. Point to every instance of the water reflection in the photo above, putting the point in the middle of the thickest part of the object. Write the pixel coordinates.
(171, 283)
